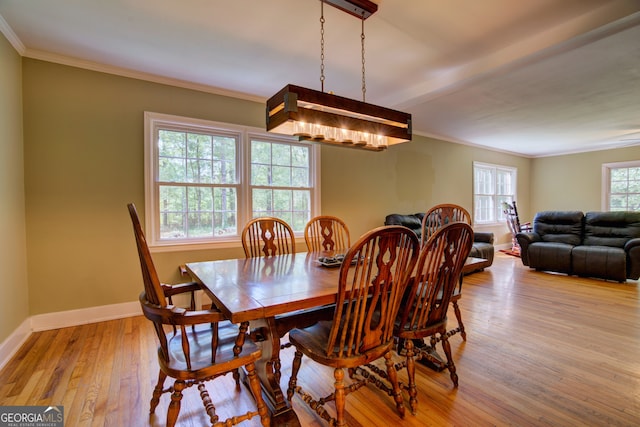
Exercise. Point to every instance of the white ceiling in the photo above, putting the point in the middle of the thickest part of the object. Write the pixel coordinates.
(532, 77)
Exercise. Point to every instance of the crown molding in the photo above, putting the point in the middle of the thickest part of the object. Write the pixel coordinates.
(139, 75)
(11, 36)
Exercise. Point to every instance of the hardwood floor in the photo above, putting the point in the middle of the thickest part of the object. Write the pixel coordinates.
(543, 350)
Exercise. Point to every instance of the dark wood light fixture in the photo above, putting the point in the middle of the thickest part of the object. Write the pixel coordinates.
(327, 118)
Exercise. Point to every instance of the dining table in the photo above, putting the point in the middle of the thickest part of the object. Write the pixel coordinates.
(274, 294)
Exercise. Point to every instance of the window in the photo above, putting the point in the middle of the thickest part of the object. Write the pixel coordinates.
(621, 186)
(492, 185)
(204, 180)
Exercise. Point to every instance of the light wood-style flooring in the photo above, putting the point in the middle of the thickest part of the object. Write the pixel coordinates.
(543, 350)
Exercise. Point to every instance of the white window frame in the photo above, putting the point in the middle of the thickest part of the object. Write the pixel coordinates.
(606, 179)
(154, 121)
(498, 215)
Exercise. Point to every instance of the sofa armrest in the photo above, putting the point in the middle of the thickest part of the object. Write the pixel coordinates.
(632, 248)
(483, 237)
(632, 243)
(524, 240)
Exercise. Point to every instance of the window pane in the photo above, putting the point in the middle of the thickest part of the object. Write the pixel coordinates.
(285, 169)
(619, 187)
(281, 176)
(618, 203)
(619, 174)
(261, 202)
(199, 171)
(300, 156)
(282, 200)
(172, 170)
(260, 152)
(281, 154)
(300, 177)
(171, 143)
(199, 146)
(503, 182)
(633, 202)
(224, 160)
(172, 209)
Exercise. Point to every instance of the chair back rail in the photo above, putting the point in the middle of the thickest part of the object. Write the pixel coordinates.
(267, 236)
(327, 233)
(440, 215)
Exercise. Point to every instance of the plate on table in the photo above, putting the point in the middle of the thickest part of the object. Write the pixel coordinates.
(333, 261)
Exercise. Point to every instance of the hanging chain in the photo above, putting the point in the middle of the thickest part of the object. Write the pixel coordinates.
(364, 85)
(322, 45)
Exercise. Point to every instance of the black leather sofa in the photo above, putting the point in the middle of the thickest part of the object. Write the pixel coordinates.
(482, 244)
(604, 245)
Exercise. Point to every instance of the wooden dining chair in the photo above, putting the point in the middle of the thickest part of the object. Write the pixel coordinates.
(440, 215)
(327, 233)
(368, 300)
(195, 345)
(424, 312)
(267, 236)
(434, 219)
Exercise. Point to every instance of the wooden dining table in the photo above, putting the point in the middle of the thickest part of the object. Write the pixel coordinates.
(274, 294)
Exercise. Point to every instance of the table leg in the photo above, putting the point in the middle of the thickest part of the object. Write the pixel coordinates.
(264, 331)
(268, 332)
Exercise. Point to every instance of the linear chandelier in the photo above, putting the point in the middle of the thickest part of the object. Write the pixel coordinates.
(322, 117)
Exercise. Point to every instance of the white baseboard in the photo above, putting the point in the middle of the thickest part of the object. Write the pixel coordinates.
(63, 319)
(14, 341)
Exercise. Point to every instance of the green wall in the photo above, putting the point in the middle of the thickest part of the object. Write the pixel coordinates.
(84, 163)
(13, 256)
(574, 182)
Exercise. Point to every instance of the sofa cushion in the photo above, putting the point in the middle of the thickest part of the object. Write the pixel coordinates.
(550, 256)
(482, 250)
(559, 226)
(611, 228)
(413, 222)
(600, 261)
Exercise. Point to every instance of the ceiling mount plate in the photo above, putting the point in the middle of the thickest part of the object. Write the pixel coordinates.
(359, 8)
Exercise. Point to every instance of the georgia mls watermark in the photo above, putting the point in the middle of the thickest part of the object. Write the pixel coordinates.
(31, 416)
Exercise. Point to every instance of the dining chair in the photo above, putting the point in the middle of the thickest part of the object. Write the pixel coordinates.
(424, 312)
(372, 280)
(327, 233)
(267, 236)
(440, 215)
(434, 219)
(195, 345)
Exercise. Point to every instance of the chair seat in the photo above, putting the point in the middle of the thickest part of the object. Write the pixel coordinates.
(200, 350)
(412, 334)
(312, 342)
